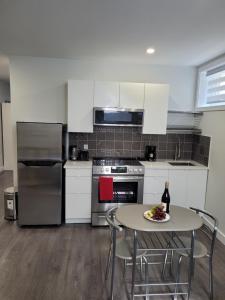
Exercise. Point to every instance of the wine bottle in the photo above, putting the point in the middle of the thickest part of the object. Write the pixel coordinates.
(166, 198)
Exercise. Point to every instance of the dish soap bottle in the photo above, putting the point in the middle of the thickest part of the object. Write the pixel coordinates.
(166, 198)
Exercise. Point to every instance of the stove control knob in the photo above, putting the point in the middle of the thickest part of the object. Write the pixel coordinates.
(107, 169)
(140, 170)
(135, 170)
(131, 170)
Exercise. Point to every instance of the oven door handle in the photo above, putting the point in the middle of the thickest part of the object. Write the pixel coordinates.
(122, 178)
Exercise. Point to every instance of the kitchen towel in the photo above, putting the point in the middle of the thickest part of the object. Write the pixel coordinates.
(105, 188)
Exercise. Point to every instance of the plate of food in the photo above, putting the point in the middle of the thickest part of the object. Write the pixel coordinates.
(157, 214)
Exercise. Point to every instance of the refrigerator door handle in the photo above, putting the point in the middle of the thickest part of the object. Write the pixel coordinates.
(39, 163)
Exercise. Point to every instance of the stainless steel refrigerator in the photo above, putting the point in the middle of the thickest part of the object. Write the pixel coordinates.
(40, 161)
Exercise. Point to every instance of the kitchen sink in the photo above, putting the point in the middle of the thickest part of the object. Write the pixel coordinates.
(181, 163)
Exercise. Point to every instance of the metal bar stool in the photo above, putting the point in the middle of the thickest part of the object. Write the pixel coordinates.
(209, 229)
(121, 247)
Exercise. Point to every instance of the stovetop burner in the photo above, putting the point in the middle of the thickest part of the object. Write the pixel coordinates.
(100, 161)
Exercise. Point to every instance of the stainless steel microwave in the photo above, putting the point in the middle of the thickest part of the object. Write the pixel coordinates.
(113, 116)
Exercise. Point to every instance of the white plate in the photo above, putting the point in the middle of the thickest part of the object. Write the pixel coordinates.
(157, 221)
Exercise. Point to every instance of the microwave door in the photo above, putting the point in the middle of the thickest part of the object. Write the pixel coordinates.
(118, 117)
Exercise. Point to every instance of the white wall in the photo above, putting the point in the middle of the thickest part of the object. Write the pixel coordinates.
(4, 91)
(7, 136)
(213, 124)
(4, 96)
(38, 85)
(1, 146)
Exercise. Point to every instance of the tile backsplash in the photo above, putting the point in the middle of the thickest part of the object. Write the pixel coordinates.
(200, 149)
(130, 142)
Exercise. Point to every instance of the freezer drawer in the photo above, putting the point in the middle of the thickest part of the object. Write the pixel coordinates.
(39, 193)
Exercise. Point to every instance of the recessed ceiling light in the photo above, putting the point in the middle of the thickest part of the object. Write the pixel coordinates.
(150, 51)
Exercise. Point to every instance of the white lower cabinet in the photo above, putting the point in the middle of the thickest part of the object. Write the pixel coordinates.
(78, 196)
(78, 207)
(196, 188)
(78, 185)
(178, 187)
(187, 188)
(154, 184)
(152, 198)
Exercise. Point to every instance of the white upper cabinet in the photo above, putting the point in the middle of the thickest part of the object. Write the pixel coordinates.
(132, 95)
(83, 95)
(80, 105)
(156, 108)
(106, 94)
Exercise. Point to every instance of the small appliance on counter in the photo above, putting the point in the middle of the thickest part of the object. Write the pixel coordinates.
(83, 155)
(73, 152)
(150, 153)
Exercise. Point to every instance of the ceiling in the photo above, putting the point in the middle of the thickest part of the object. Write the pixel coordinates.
(182, 32)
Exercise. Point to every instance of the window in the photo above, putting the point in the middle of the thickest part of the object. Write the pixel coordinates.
(211, 87)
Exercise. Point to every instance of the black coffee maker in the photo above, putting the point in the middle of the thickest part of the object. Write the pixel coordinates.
(150, 153)
(83, 155)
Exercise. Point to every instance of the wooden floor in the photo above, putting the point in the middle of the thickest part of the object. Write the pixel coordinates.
(68, 262)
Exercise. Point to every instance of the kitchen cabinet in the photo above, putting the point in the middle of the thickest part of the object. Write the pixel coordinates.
(154, 184)
(80, 105)
(187, 187)
(115, 94)
(78, 209)
(106, 94)
(132, 95)
(78, 185)
(196, 188)
(78, 193)
(83, 95)
(156, 108)
(178, 187)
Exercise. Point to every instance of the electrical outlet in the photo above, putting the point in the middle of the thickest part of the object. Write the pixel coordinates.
(85, 146)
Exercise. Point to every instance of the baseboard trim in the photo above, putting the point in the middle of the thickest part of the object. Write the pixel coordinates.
(78, 220)
(220, 235)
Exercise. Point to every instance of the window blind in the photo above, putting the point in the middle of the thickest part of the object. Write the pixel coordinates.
(215, 91)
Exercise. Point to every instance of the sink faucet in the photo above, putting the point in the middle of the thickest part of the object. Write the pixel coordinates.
(177, 150)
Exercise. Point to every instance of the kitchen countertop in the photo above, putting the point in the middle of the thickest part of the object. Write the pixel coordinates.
(77, 164)
(159, 164)
(164, 164)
